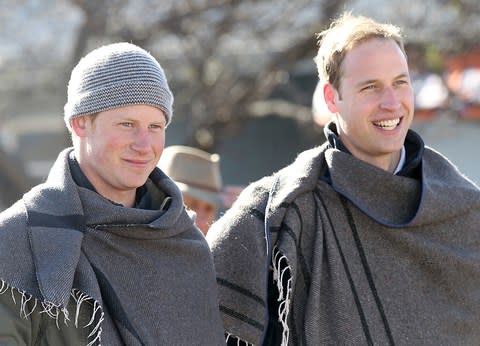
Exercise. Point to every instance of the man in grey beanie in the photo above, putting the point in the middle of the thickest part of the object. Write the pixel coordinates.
(104, 252)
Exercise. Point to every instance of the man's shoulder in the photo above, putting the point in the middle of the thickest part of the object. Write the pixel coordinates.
(13, 233)
(13, 217)
(302, 174)
(307, 162)
(17, 269)
(255, 194)
(439, 166)
(287, 183)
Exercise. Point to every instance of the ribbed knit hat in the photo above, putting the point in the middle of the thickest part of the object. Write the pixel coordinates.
(116, 75)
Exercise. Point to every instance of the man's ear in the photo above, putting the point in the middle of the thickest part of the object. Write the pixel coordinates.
(79, 125)
(330, 95)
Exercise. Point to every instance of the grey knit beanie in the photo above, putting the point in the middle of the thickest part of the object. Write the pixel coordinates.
(116, 75)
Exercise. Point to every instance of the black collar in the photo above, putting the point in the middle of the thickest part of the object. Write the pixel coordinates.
(414, 148)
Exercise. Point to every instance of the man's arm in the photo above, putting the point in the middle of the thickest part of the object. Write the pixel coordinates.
(239, 248)
(16, 325)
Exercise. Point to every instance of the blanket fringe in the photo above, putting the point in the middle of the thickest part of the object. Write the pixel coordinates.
(282, 276)
(56, 311)
(234, 338)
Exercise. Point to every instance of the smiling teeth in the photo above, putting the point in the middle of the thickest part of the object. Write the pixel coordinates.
(388, 124)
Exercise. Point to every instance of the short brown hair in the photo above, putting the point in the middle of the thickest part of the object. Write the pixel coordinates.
(345, 33)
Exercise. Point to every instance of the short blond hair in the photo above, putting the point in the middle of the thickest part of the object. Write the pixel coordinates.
(345, 33)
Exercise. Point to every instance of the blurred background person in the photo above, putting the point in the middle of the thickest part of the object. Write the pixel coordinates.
(197, 174)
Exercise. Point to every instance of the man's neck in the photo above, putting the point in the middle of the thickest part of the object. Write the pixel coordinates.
(127, 199)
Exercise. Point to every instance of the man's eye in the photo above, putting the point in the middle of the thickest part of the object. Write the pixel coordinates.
(157, 126)
(369, 87)
(402, 82)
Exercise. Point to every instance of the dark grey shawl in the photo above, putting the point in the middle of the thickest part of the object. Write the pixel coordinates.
(372, 258)
(150, 271)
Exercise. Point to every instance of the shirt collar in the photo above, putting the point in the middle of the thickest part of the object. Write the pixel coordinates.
(402, 160)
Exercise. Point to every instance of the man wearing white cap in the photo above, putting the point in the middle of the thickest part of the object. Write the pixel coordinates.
(197, 174)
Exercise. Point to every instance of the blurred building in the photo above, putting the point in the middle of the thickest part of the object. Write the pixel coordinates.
(463, 80)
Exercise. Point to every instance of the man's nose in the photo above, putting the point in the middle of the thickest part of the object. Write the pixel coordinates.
(390, 99)
(142, 140)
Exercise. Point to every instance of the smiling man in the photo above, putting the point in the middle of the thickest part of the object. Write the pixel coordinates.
(369, 239)
(374, 103)
(104, 251)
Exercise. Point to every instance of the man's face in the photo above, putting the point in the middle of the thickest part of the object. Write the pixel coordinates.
(119, 149)
(374, 104)
(205, 212)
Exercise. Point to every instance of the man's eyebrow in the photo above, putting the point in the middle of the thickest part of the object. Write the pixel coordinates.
(402, 75)
(371, 81)
(365, 82)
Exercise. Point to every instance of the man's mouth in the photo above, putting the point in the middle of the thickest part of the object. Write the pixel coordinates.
(387, 124)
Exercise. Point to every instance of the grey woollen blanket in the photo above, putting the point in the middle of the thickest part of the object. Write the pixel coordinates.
(369, 258)
(150, 271)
